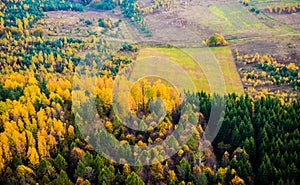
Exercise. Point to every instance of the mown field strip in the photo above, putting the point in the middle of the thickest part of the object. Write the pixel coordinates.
(210, 69)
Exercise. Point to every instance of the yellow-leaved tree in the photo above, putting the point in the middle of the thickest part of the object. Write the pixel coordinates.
(4, 144)
(33, 156)
(42, 144)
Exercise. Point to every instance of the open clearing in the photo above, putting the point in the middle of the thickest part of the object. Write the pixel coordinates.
(189, 24)
(203, 66)
(73, 24)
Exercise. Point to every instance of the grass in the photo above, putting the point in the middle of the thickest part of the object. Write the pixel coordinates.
(232, 18)
(208, 69)
(236, 19)
(218, 12)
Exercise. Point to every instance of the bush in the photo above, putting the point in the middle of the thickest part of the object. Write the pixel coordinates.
(88, 22)
(105, 23)
(128, 47)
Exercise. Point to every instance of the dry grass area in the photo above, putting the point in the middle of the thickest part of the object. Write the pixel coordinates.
(194, 22)
(73, 24)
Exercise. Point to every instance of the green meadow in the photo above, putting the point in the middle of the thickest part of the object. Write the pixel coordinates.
(209, 69)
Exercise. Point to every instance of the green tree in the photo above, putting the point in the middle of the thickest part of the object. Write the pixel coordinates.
(134, 179)
(124, 151)
(99, 163)
(184, 170)
(250, 147)
(192, 143)
(245, 168)
(60, 163)
(46, 171)
(80, 170)
(107, 175)
(236, 138)
(173, 143)
(88, 159)
(202, 179)
(62, 179)
(265, 171)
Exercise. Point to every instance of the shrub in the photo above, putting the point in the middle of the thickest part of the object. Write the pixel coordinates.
(105, 23)
(88, 22)
(128, 47)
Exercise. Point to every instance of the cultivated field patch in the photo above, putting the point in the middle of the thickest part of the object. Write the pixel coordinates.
(204, 66)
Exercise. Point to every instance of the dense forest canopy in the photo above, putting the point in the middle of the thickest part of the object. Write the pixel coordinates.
(42, 142)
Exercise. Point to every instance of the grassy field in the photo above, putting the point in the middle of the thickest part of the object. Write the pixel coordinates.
(237, 19)
(209, 69)
(230, 19)
(233, 19)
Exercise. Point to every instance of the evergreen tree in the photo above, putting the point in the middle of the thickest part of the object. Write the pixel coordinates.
(80, 170)
(62, 179)
(107, 175)
(134, 179)
(184, 170)
(60, 163)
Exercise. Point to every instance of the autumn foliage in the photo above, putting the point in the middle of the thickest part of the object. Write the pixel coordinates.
(40, 138)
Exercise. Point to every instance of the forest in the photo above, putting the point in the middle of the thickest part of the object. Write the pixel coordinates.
(41, 135)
